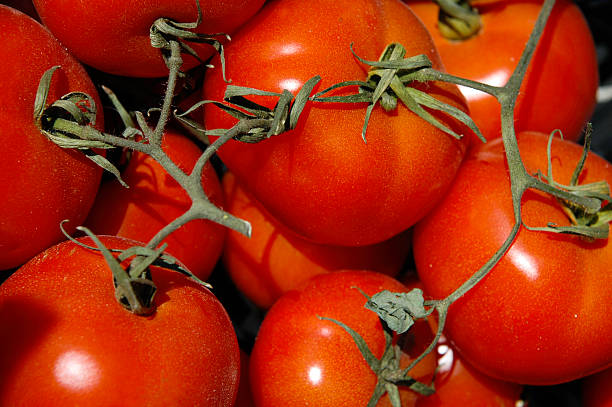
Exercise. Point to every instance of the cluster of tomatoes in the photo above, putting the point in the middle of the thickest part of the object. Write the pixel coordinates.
(339, 211)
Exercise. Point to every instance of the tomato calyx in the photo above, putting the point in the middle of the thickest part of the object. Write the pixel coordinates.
(164, 32)
(387, 369)
(397, 313)
(58, 119)
(134, 287)
(388, 80)
(256, 122)
(457, 19)
(588, 222)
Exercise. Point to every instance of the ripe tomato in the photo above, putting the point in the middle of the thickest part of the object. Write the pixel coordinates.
(320, 179)
(43, 184)
(301, 360)
(459, 384)
(456, 382)
(113, 36)
(561, 83)
(537, 317)
(597, 390)
(155, 199)
(67, 341)
(274, 260)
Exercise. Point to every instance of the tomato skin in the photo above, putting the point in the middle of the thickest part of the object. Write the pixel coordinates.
(597, 390)
(557, 93)
(320, 179)
(537, 317)
(71, 341)
(155, 199)
(299, 359)
(43, 184)
(113, 35)
(274, 260)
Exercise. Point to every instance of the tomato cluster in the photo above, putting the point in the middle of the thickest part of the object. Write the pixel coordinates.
(387, 215)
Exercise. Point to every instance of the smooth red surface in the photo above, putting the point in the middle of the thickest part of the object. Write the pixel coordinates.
(154, 199)
(539, 317)
(561, 83)
(300, 360)
(67, 341)
(42, 183)
(113, 35)
(274, 260)
(321, 180)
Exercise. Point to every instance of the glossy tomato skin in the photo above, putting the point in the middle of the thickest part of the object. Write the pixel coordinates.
(43, 184)
(597, 389)
(321, 180)
(301, 360)
(537, 318)
(71, 341)
(274, 260)
(155, 199)
(558, 92)
(113, 35)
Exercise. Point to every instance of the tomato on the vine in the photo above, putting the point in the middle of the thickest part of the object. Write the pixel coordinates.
(155, 199)
(274, 260)
(42, 183)
(321, 179)
(67, 341)
(559, 91)
(539, 316)
(114, 36)
(300, 359)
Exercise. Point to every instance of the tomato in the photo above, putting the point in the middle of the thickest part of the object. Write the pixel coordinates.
(559, 90)
(274, 260)
(155, 199)
(321, 180)
(456, 382)
(597, 389)
(301, 360)
(244, 398)
(539, 316)
(42, 183)
(113, 36)
(67, 341)
(459, 384)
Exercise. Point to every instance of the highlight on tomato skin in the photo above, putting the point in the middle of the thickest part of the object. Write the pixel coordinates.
(274, 260)
(155, 199)
(300, 359)
(42, 183)
(71, 343)
(537, 317)
(320, 179)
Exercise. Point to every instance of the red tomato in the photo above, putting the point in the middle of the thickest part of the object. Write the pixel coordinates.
(459, 384)
(274, 260)
(300, 360)
(597, 390)
(67, 341)
(244, 397)
(43, 184)
(561, 83)
(155, 199)
(320, 179)
(113, 36)
(537, 317)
